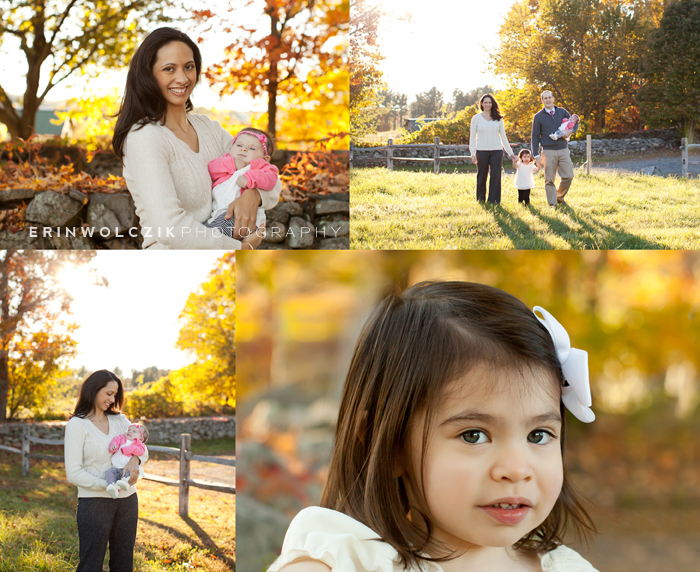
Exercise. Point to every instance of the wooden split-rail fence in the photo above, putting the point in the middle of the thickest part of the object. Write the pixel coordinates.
(184, 453)
(437, 147)
(685, 146)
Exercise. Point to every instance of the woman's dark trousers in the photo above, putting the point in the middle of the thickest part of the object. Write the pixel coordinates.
(106, 520)
(489, 161)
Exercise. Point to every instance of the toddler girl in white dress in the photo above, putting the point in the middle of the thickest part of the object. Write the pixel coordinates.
(450, 440)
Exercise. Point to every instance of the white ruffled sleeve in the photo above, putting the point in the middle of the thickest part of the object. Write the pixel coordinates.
(564, 559)
(337, 540)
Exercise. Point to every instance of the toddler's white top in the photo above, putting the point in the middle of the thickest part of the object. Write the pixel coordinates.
(346, 545)
(524, 177)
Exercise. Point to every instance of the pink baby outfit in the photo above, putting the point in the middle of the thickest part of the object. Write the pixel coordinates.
(125, 449)
(566, 124)
(260, 175)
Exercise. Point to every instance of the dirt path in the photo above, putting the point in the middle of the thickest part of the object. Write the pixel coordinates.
(170, 467)
(668, 163)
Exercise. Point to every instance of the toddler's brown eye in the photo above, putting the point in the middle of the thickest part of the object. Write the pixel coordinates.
(473, 436)
(539, 437)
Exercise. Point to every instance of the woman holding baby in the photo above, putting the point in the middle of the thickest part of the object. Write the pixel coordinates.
(166, 150)
(102, 519)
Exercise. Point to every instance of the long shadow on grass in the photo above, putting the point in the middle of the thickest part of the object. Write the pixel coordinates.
(44, 499)
(516, 228)
(206, 542)
(613, 238)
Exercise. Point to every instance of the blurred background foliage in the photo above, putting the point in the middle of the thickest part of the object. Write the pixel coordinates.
(636, 313)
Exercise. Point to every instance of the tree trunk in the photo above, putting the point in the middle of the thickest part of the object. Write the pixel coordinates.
(600, 119)
(4, 334)
(272, 103)
(40, 50)
(273, 84)
(4, 384)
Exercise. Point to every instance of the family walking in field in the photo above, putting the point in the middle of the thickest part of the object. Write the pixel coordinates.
(551, 127)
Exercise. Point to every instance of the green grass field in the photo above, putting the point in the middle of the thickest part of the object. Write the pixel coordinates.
(403, 210)
(38, 532)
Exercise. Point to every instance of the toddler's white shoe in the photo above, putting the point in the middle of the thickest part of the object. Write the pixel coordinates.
(553, 136)
(123, 484)
(112, 490)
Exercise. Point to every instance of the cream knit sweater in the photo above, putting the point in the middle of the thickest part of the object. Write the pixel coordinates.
(487, 135)
(87, 455)
(171, 185)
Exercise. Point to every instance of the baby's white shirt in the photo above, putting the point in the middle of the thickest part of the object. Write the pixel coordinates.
(346, 545)
(119, 459)
(225, 193)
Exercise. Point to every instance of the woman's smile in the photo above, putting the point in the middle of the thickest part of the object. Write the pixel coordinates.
(179, 91)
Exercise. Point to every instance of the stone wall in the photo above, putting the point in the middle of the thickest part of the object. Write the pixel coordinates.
(161, 431)
(76, 221)
(322, 222)
(370, 157)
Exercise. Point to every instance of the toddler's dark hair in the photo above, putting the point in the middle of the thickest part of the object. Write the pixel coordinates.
(524, 152)
(412, 347)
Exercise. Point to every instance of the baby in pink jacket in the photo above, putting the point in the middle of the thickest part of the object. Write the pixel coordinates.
(245, 166)
(568, 123)
(123, 447)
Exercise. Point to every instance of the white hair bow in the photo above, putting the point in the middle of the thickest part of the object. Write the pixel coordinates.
(574, 365)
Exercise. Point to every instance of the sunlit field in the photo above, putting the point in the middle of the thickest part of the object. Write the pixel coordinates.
(38, 531)
(402, 210)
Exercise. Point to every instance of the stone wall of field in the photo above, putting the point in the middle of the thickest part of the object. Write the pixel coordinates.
(373, 157)
(161, 431)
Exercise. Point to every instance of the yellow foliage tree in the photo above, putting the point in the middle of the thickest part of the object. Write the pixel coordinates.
(208, 332)
(518, 105)
(208, 385)
(92, 119)
(37, 365)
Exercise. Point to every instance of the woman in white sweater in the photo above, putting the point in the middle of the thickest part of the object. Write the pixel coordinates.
(102, 520)
(487, 140)
(165, 151)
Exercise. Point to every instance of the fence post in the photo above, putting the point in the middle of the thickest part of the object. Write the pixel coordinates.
(390, 154)
(589, 154)
(184, 492)
(25, 451)
(436, 156)
(684, 157)
(352, 148)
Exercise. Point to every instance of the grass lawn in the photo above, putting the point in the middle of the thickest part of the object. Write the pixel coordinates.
(38, 532)
(403, 210)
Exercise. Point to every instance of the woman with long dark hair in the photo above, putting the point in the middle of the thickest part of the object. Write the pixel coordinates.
(487, 140)
(165, 150)
(102, 520)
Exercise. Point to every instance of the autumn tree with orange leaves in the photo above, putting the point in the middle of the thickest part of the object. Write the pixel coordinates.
(299, 57)
(33, 340)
